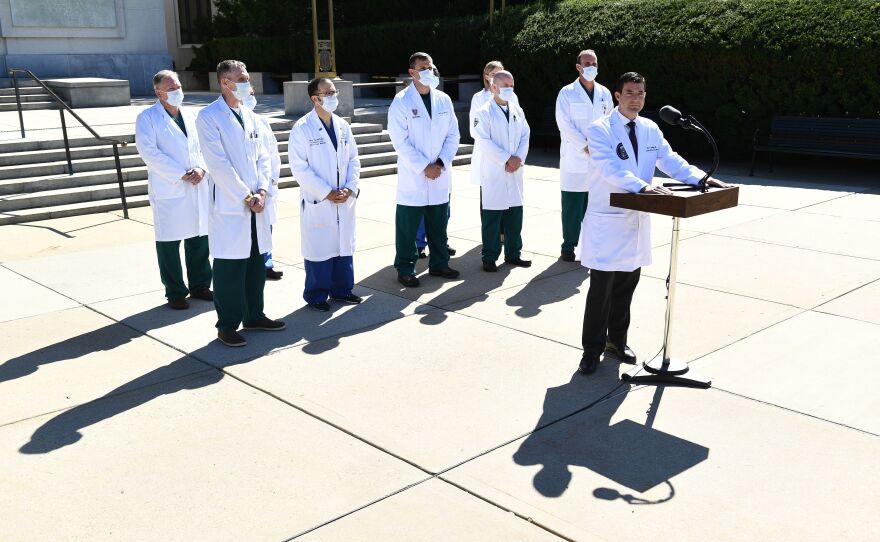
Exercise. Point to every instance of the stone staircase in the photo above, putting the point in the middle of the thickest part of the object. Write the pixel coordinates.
(35, 184)
(33, 96)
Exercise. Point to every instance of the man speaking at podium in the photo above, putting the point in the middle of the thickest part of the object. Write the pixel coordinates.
(615, 243)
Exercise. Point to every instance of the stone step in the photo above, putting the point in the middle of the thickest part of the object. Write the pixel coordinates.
(22, 91)
(25, 98)
(28, 106)
(59, 167)
(72, 209)
(96, 158)
(26, 145)
(113, 202)
(12, 188)
(76, 194)
(23, 82)
(57, 155)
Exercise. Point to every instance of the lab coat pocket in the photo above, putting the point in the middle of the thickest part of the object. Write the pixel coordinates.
(615, 236)
(162, 189)
(319, 215)
(225, 205)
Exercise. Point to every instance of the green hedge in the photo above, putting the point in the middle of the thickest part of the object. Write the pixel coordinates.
(732, 64)
(379, 49)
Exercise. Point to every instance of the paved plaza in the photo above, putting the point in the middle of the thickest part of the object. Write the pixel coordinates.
(453, 411)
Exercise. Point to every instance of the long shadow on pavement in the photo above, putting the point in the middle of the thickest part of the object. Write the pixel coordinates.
(633, 455)
(65, 428)
(102, 339)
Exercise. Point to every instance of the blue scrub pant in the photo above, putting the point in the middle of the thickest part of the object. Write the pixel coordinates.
(267, 257)
(333, 278)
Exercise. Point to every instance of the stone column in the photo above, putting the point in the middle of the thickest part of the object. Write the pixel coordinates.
(297, 102)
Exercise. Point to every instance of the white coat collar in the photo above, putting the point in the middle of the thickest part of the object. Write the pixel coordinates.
(416, 98)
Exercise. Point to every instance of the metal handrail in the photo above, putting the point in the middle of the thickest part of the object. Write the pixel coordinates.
(64, 107)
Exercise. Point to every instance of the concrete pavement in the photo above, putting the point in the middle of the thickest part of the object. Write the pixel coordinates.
(452, 411)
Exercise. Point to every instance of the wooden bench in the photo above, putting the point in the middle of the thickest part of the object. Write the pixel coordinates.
(835, 137)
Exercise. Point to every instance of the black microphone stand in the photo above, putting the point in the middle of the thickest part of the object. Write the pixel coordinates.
(695, 125)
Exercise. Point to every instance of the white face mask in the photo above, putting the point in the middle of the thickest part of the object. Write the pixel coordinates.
(250, 102)
(242, 91)
(330, 103)
(174, 97)
(590, 73)
(427, 78)
(506, 94)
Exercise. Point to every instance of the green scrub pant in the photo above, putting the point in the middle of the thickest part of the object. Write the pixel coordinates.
(574, 207)
(407, 224)
(238, 286)
(198, 267)
(494, 222)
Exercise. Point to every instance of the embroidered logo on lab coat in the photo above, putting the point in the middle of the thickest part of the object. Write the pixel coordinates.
(651, 148)
(476, 121)
(621, 152)
(415, 112)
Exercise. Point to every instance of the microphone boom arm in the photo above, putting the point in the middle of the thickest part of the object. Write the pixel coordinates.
(715, 157)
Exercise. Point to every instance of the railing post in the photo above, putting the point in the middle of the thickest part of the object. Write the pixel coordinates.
(66, 143)
(119, 178)
(18, 102)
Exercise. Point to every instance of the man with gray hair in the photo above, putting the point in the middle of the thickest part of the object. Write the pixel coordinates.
(501, 143)
(168, 143)
(240, 179)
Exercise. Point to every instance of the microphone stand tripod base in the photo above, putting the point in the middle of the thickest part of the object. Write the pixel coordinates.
(662, 370)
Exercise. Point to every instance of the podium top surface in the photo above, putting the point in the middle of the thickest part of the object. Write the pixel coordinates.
(686, 200)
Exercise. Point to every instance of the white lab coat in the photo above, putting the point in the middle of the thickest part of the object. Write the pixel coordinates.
(267, 137)
(615, 239)
(180, 210)
(480, 98)
(420, 140)
(574, 114)
(239, 165)
(497, 139)
(327, 229)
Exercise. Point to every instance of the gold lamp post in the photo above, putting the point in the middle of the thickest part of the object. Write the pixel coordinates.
(325, 50)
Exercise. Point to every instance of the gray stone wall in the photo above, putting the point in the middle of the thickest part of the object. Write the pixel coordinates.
(118, 39)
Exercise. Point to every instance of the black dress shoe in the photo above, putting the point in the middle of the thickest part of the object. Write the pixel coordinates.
(589, 363)
(519, 262)
(567, 256)
(351, 299)
(627, 356)
(271, 274)
(178, 303)
(446, 273)
(450, 250)
(323, 306)
(230, 337)
(202, 293)
(422, 254)
(265, 324)
(490, 267)
(410, 281)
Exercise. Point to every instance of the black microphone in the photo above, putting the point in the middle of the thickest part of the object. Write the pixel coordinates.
(673, 116)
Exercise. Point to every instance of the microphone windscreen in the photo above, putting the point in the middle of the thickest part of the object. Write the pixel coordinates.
(670, 115)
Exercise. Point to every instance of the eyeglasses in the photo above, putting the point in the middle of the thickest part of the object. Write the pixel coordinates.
(328, 93)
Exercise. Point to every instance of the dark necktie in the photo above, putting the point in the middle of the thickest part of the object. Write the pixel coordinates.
(632, 138)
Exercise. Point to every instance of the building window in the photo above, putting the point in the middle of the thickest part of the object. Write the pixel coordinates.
(194, 17)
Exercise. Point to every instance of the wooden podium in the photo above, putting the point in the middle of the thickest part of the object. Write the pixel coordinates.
(686, 201)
